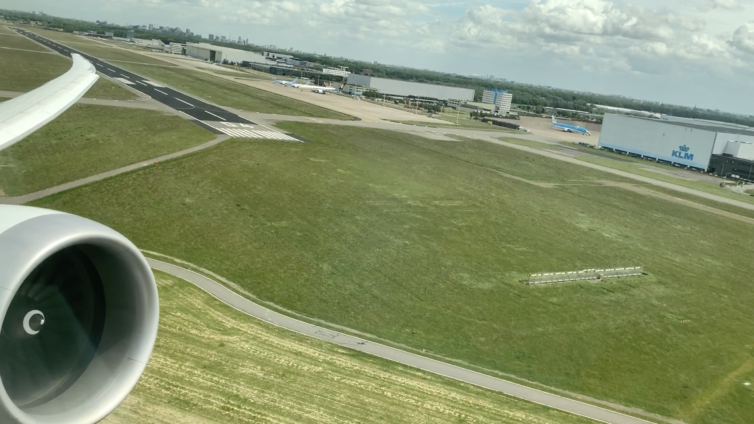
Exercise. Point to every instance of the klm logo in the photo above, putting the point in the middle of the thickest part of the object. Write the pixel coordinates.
(683, 153)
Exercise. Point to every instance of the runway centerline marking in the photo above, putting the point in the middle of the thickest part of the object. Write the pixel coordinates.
(125, 76)
(165, 93)
(111, 70)
(214, 115)
(182, 101)
(139, 82)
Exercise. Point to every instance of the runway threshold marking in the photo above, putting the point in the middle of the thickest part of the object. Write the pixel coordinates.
(182, 101)
(160, 91)
(220, 117)
(243, 130)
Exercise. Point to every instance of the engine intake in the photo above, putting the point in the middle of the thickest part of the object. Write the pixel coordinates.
(79, 312)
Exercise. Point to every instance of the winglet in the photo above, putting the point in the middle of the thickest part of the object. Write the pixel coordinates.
(27, 113)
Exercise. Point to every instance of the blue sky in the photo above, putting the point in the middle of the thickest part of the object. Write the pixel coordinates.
(690, 52)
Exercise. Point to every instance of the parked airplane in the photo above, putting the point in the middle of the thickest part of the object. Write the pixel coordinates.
(286, 82)
(569, 128)
(315, 88)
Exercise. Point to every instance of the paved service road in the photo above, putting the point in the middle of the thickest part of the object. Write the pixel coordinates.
(407, 358)
(210, 117)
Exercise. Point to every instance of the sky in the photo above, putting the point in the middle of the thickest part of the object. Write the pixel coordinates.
(687, 52)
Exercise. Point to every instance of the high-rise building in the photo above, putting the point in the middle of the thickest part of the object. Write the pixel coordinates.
(502, 99)
(239, 39)
(188, 32)
(151, 27)
(212, 37)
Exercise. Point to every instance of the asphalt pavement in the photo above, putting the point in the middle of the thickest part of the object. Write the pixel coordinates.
(390, 353)
(191, 106)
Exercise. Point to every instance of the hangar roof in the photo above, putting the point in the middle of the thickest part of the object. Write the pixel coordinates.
(703, 125)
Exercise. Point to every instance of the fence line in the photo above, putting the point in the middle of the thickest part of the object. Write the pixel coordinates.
(584, 275)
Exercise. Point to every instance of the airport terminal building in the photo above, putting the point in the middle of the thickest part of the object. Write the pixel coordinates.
(716, 147)
(391, 87)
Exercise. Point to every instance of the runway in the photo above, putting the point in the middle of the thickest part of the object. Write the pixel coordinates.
(390, 353)
(210, 117)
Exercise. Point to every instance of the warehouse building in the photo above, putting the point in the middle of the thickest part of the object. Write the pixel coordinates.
(502, 100)
(391, 87)
(213, 53)
(720, 148)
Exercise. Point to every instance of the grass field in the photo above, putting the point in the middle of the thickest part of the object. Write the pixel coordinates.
(63, 37)
(530, 143)
(635, 165)
(24, 71)
(424, 242)
(212, 364)
(245, 75)
(87, 140)
(232, 94)
(15, 41)
(115, 54)
(96, 49)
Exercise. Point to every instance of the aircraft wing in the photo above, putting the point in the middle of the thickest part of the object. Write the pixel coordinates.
(27, 113)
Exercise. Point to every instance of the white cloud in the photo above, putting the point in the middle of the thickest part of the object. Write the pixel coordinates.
(727, 4)
(743, 38)
(607, 40)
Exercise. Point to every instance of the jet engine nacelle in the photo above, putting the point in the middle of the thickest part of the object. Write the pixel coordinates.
(79, 312)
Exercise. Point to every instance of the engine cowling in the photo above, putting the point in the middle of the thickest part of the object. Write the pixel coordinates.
(79, 312)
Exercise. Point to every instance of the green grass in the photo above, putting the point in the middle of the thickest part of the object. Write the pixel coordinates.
(62, 37)
(232, 94)
(24, 71)
(20, 42)
(462, 125)
(212, 363)
(530, 143)
(422, 243)
(87, 140)
(115, 54)
(635, 165)
(244, 75)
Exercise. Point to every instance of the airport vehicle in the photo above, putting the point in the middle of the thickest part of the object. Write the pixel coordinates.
(569, 128)
(79, 308)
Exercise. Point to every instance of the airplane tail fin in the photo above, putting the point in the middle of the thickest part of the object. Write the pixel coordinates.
(553, 120)
(295, 80)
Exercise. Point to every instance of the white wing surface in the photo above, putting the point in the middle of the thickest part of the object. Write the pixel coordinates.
(27, 113)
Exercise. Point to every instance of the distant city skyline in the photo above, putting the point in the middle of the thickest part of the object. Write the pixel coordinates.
(685, 52)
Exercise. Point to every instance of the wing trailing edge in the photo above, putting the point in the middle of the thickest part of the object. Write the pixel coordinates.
(27, 113)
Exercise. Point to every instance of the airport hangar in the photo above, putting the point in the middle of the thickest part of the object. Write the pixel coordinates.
(391, 87)
(715, 147)
(217, 54)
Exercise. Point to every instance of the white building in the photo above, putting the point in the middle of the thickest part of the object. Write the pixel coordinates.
(173, 48)
(690, 143)
(151, 44)
(502, 100)
(391, 87)
(341, 72)
(215, 53)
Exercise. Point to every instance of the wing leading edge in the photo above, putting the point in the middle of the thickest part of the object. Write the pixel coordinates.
(27, 113)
